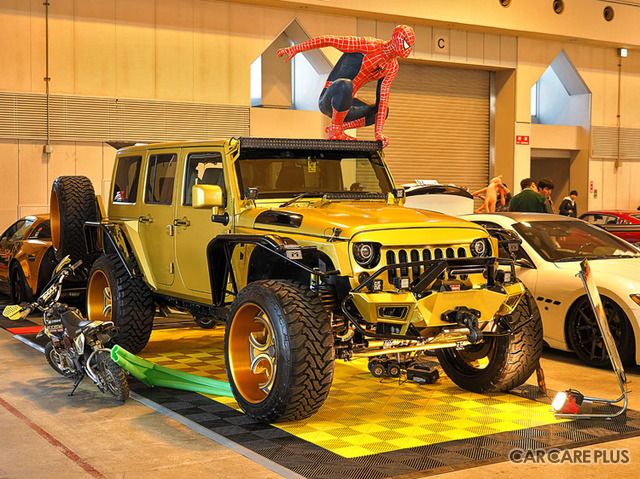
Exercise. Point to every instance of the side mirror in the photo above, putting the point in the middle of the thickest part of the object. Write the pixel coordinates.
(207, 196)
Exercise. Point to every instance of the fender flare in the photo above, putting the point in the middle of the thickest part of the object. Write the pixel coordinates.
(118, 241)
(220, 251)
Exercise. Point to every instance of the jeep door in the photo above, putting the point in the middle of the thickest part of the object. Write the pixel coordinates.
(156, 214)
(193, 227)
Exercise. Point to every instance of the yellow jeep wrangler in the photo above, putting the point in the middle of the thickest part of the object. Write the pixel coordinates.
(305, 250)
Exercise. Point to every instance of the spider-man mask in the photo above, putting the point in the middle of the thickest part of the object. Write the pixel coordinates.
(402, 40)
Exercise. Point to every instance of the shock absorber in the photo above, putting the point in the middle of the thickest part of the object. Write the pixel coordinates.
(327, 293)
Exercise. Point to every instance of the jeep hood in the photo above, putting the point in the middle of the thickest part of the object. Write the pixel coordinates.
(351, 217)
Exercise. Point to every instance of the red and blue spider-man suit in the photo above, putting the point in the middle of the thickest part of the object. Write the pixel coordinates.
(365, 59)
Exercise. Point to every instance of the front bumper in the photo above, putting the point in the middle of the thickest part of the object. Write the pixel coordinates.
(405, 311)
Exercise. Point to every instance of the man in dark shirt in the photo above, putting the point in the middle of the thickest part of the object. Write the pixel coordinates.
(568, 205)
(528, 200)
(545, 187)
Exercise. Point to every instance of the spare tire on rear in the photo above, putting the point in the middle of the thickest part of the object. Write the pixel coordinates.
(73, 201)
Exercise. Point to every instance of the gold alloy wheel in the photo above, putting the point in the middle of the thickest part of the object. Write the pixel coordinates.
(54, 220)
(252, 353)
(478, 356)
(99, 304)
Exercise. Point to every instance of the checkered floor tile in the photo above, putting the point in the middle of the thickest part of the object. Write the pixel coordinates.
(364, 415)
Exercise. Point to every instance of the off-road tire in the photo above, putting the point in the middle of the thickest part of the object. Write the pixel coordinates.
(73, 201)
(585, 338)
(512, 359)
(112, 375)
(301, 343)
(50, 353)
(131, 304)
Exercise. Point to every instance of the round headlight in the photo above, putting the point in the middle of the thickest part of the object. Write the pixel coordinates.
(366, 255)
(480, 247)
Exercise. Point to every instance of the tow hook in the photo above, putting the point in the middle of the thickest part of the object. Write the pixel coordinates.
(465, 317)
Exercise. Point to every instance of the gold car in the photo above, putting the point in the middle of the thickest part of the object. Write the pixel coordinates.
(305, 250)
(26, 257)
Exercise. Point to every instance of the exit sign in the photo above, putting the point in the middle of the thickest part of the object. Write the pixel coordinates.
(522, 140)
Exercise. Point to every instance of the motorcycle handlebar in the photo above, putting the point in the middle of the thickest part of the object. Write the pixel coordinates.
(26, 311)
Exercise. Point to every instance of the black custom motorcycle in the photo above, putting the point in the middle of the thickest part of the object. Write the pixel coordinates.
(77, 347)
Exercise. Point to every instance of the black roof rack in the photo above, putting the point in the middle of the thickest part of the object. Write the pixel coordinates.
(308, 144)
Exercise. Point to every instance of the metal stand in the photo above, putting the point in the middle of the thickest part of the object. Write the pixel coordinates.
(596, 304)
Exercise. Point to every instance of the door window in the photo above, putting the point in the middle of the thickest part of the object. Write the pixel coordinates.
(125, 188)
(17, 230)
(42, 231)
(202, 169)
(160, 179)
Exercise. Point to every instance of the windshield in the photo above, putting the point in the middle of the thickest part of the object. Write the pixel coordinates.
(287, 173)
(572, 240)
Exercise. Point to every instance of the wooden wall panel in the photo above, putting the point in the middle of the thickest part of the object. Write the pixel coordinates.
(246, 45)
(35, 49)
(33, 182)
(9, 169)
(88, 162)
(61, 47)
(135, 52)
(62, 162)
(94, 50)
(174, 50)
(15, 19)
(212, 45)
(491, 53)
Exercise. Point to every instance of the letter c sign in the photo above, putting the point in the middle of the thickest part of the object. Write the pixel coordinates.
(441, 43)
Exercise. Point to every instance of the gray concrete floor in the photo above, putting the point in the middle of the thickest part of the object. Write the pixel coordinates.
(45, 433)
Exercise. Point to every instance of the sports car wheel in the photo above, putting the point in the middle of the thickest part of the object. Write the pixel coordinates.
(499, 363)
(279, 351)
(19, 288)
(585, 337)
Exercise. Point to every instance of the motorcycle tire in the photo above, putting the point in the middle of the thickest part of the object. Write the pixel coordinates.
(55, 361)
(113, 377)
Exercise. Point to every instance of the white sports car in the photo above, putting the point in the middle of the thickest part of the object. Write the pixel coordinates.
(548, 261)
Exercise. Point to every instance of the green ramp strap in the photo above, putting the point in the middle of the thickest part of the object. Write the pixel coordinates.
(155, 375)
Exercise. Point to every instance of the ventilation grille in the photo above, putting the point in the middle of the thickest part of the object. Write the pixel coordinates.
(604, 143)
(414, 255)
(24, 116)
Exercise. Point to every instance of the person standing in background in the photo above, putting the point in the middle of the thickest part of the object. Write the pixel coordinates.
(504, 198)
(528, 200)
(545, 187)
(568, 205)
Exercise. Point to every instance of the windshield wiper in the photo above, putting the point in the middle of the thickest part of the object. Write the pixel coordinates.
(614, 256)
(602, 256)
(300, 196)
(569, 258)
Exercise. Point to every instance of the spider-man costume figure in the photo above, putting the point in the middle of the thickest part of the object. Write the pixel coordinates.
(365, 59)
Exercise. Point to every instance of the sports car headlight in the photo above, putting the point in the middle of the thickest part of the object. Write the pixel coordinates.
(481, 247)
(366, 255)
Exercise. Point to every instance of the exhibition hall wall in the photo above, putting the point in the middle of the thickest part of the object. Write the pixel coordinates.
(154, 70)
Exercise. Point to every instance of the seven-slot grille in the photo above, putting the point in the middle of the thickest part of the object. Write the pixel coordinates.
(413, 255)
